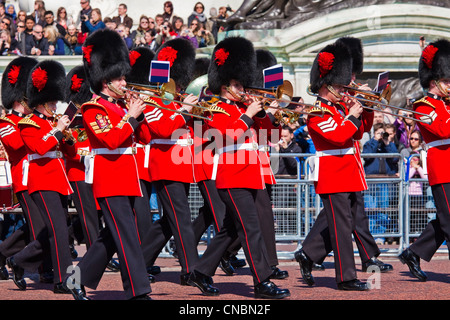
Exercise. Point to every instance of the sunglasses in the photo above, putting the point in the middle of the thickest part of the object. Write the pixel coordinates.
(414, 139)
(20, 26)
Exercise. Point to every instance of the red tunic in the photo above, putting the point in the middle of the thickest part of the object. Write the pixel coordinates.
(74, 156)
(333, 131)
(171, 152)
(438, 160)
(40, 138)
(109, 128)
(14, 147)
(239, 164)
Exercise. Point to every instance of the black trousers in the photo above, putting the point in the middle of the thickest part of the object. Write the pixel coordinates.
(241, 220)
(142, 210)
(53, 240)
(438, 230)
(84, 201)
(341, 211)
(317, 244)
(176, 221)
(119, 236)
(28, 232)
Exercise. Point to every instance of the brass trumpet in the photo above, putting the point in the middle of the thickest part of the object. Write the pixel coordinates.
(369, 102)
(67, 133)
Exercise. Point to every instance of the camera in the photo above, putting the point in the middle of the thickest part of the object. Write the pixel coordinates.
(83, 18)
(203, 32)
(385, 136)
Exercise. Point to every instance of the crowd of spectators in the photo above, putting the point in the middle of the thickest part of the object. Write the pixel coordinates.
(41, 32)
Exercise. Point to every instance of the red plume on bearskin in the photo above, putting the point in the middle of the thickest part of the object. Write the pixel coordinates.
(76, 83)
(168, 54)
(221, 56)
(39, 77)
(134, 55)
(325, 61)
(428, 55)
(87, 53)
(13, 74)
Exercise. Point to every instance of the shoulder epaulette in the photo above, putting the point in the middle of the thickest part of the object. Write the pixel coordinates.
(93, 102)
(6, 119)
(425, 101)
(320, 108)
(27, 121)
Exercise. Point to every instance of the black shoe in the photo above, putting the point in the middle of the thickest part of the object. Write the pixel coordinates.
(226, 267)
(413, 262)
(184, 279)
(142, 297)
(17, 274)
(78, 292)
(4, 275)
(237, 263)
(376, 265)
(154, 270)
(46, 277)
(353, 285)
(318, 267)
(268, 290)
(73, 252)
(113, 265)
(61, 288)
(305, 267)
(278, 274)
(203, 282)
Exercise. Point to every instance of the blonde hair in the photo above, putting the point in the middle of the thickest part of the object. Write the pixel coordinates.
(52, 33)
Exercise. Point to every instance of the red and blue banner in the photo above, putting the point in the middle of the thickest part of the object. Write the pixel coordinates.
(159, 72)
(273, 76)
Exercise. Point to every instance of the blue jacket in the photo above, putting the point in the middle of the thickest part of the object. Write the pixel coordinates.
(375, 165)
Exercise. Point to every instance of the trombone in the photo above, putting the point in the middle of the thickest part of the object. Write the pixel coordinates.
(283, 95)
(160, 91)
(373, 99)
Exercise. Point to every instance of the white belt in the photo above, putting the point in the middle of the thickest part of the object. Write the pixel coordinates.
(50, 154)
(438, 143)
(235, 147)
(146, 148)
(119, 151)
(181, 142)
(336, 152)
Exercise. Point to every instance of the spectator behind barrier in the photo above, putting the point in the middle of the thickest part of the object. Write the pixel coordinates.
(21, 36)
(122, 17)
(58, 45)
(63, 19)
(376, 166)
(94, 23)
(168, 14)
(50, 21)
(86, 10)
(38, 12)
(138, 35)
(405, 127)
(198, 13)
(36, 45)
(287, 165)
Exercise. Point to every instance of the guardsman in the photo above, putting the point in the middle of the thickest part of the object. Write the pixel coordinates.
(113, 130)
(318, 244)
(434, 76)
(334, 137)
(44, 172)
(171, 162)
(237, 168)
(14, 85)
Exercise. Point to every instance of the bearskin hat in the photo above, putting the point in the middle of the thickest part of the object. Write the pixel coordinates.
(355, 47)
(201, 67)
(140, 61)
(181, 54)
(105, 57)
(232, 58)
(264, 59)
(77, 87)
(14, 80)
(434, 62)
(44, 83)
(332, 65)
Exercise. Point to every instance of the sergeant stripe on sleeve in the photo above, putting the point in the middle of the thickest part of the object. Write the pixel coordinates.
(153, 115)
(432, 115)
(328, 125)
(7, 131)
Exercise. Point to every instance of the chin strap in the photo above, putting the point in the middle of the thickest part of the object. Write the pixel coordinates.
(26, 107)
(441, 90)
(235, 95)
(334, 92)
(115, 89)
(50, 111)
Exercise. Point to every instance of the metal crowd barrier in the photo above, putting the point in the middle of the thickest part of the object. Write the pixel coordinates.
(393, 213)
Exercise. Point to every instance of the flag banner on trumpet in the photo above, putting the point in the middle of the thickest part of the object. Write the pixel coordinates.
(383, 81)
(159, 72)
(71, 110)
(273, 76)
